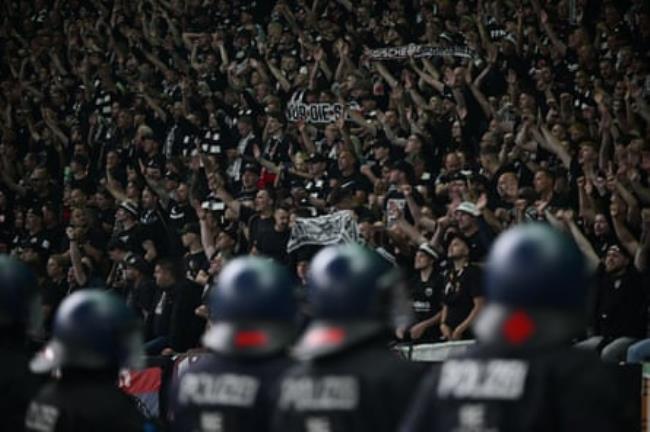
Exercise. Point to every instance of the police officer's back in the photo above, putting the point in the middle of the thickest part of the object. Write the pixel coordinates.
(94, 335)
(523, 375)
(252, 320)
(348, 379)
(17, 384)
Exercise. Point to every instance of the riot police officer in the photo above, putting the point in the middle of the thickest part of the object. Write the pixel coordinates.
(94, 335)
(524, 375)
(348, 379)
(18, 306)
(252, 322)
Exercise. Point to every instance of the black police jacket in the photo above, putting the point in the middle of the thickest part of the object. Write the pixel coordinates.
(363, 388)
(17, 385)
(226, 393)
(84, 401)
(560, 389)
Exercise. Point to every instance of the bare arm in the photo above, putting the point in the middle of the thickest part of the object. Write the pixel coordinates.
(584, 244)
(75, 257)
(207, 236)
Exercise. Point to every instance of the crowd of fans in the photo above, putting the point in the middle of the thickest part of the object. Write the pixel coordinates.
(146, 143)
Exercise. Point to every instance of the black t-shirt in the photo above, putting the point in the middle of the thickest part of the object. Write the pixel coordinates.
(193, 263)
(477, 247)
(52, 295)
(272, 243)
(362, 389)
(185, 327)
(355, 182)
(134, 237)
(180, 215)
(425, 295)
(460, 289)
(153, 226)
(83, 401)
(620, 304)
(258, 227)
(508, 389)
(142, 296)
(17, 385)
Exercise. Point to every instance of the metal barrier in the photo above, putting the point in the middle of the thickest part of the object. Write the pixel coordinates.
(433, 352)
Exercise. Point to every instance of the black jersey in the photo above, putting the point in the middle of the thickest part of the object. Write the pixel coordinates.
(228, 394)
(363, 388)
(84, 401)
(561, 389)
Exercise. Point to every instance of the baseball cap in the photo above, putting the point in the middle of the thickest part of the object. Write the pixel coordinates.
(469, 208)
(137, 262)
(191, 228)
(427, 249)
(130, 208)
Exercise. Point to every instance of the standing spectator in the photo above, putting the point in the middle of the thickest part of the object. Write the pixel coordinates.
(55, 290)
(462, 298)
(619, 310)
(426, 293)
(195, 259)
(136, 239)
(536, 286)
(253, 304)
(141, 289)
(473, 228)
(176, 327)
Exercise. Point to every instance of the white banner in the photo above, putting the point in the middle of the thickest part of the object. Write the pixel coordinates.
(418, 51)
(339, 227)
(317, 112)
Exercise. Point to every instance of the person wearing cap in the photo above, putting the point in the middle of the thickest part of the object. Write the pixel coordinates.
(175, 327)
(318, 186)
(619, 306)
(348, 379)
(474, 230)
(137, 240)
(523, 374)
(252, 312)
(248, 186)
(35, 237)
(152, 221)
(195, 259)
(141, 291)
(95, 335)
(402, 197)
(425, 295)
